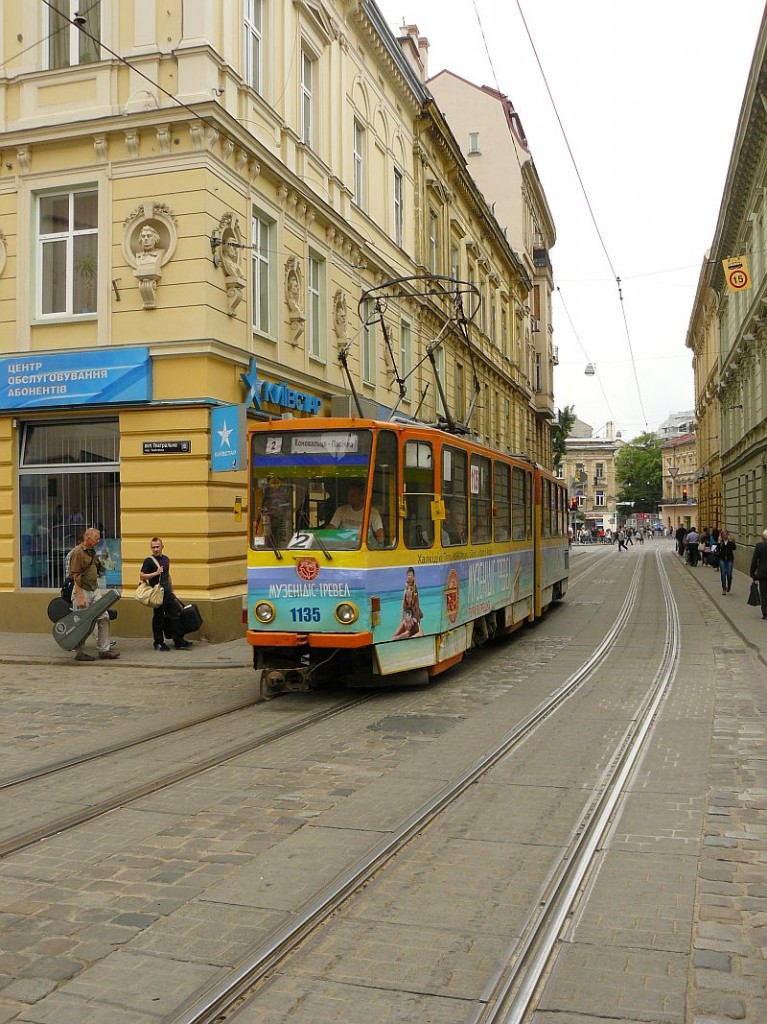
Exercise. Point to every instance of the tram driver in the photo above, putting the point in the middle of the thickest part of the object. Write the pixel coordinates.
(350, 516)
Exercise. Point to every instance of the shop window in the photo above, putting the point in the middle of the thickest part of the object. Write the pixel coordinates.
(385, 492)
(454, 496)
(418, 478)
(67, 235)
(69, 479)
(67, 44)
(479, 500)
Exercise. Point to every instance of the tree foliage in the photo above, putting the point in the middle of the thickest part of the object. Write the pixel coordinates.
(565, 422)
(639, 474)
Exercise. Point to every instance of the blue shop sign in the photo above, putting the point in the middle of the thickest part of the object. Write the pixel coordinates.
(228, 428)
(92, 377)
(281, 394)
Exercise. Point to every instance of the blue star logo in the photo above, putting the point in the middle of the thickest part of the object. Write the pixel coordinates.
(253, 384)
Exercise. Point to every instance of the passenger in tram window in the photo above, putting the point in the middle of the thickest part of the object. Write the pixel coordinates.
(758, 570)
(454, 526)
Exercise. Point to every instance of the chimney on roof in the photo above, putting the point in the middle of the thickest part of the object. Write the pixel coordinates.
(416, 49)
(610, 430)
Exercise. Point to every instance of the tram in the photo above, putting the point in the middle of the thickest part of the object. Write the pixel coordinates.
(380, 552)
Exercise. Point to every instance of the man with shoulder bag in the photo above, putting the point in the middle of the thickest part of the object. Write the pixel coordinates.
(165, 617)
(84, 568)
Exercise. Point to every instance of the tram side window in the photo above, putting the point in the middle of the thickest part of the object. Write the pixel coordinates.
(384, 496)
(562, 521)
(480, 506)
(546, 508)
(454, 496)
(418, 480)
(520, 504)
(501, 501)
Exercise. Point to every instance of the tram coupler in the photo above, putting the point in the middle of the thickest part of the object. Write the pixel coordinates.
(275, 681)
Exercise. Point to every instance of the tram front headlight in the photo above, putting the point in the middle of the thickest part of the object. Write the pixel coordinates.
(264, 611)
(346, 613)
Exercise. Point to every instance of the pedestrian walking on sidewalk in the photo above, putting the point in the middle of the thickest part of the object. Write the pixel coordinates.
(166, 617)
(84, 566)
(691, 541)
(758, 570)
(621, 541)
(725, 550)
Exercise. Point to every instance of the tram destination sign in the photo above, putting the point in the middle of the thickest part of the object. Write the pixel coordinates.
(167, 447)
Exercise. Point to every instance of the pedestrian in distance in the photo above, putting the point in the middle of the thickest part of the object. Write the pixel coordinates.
(84, 568)
(691, 542)
(165, 617)
(725, 550)
(758, 570)
(621, 541)
(679, 536)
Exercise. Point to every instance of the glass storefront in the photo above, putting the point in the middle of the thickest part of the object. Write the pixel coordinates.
(69, 479)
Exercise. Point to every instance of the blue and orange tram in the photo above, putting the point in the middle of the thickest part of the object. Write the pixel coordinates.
(380, 552)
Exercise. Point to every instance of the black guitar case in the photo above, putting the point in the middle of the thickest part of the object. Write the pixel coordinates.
(75, 627)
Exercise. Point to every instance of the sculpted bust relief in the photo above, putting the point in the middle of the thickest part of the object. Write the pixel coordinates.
(149, 239)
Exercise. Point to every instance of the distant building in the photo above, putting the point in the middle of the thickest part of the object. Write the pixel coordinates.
(680, 482)
(588, 468)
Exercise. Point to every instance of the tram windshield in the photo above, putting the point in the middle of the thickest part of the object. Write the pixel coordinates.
(309, 488)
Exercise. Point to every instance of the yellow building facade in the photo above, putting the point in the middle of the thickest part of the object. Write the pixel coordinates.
(588, 468)
(679, 468)
(195, 200)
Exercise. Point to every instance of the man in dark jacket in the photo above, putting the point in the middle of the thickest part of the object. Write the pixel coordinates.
(758, 570)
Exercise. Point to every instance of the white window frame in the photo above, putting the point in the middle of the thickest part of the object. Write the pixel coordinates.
(315, 283)
(263, 271)
(253, 43)
(405, 353)
(359, 162)
(399, 206)
(474, 142)
(68, 238)
(308, 69)
(369, 345)
(599, 499)
(68, 9)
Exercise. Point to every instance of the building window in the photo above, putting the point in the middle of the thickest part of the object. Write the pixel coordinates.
(68, 45)
(433, 242)
(252, 33)
(316, 304)
(369, 344)
(405, 354)
(599, 499)
(460, 393)
(504, 331)
(307, 105)
(67, 236)
(455, 262)
(69, 479)
(599, 470)
(538, 374)
(262, 231)
(473, 142)
(399, 206)
(439, 361)
(359, 163)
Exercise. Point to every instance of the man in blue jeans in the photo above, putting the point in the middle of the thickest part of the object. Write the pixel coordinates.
(156, 568)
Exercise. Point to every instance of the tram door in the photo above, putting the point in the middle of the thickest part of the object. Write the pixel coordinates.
(418, 483)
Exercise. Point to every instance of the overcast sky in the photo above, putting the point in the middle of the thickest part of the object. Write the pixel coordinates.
(649, 96)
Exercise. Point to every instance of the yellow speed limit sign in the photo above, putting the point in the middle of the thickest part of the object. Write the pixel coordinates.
(736, 273)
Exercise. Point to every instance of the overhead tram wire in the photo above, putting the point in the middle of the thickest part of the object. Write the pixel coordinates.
(588, 357)
(616, 278)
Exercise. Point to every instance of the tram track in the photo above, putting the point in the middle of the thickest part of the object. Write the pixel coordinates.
(517, 986)
(81, 817)
(217, 1002)
(56, 768)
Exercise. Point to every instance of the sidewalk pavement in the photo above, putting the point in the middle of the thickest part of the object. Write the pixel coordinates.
(745, 620)
(42, 649)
